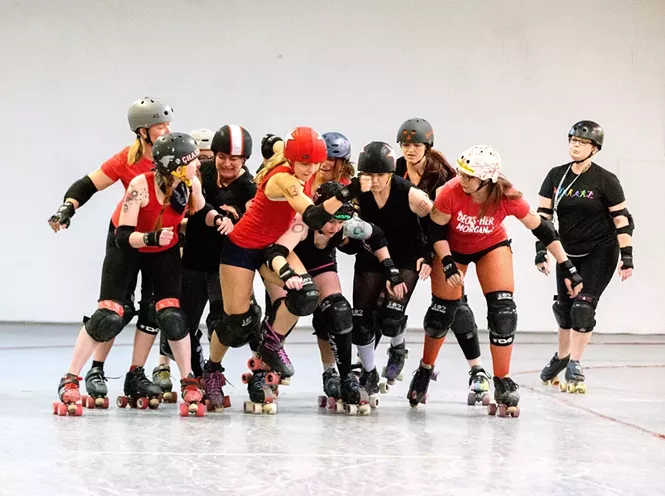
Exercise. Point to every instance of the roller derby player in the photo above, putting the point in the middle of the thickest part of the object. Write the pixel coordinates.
(596, 230)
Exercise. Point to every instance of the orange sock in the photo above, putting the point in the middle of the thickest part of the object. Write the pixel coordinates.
(501, 359)
(431, 349)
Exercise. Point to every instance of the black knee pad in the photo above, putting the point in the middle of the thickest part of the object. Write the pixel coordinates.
(147, 317)
(391, 318)
(501, 317)
(214, 318)
(439, 317)
(171, 320)
(303, 301)
(107, 321)
(561, 311)
(464, 324)
(363, 326)
(165, 347)
(336, 311)
(239, 329)
(583, 312)
(319, 324)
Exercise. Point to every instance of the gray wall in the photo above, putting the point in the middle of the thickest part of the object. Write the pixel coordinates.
(513, 74)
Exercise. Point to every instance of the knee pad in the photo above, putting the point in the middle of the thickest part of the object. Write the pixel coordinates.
(165, 347)
(464, 324)
(391, 318)
(303, 301)
(439, 317)
(171, 320)
(237, 330)
(214, 318)
(363, 326)
(336, 311)
(319, 324)
(501, 317)
(583, 312)
(562, 313)
(147, 317)
(107, 321)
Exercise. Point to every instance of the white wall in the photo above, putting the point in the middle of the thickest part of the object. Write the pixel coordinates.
(514, 74)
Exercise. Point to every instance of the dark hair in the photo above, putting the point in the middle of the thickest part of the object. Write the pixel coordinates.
(500, 190)
(437, 171)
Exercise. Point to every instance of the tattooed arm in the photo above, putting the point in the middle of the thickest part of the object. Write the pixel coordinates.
(136, 197)
(419, 202)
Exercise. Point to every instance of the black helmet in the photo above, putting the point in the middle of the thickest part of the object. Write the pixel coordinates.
(232, 140)
(376, 157)
(329, 190)
(173, 150)
(416, 130)
(588, 130)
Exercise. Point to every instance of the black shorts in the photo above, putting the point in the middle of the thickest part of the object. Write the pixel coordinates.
(596, 268)
(237, 256)
(316, 271)
(466, 259)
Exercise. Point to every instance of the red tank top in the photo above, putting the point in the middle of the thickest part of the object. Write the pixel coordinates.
(265, 220)
(148, 216)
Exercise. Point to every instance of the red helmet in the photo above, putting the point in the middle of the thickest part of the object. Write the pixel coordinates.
(303, 144)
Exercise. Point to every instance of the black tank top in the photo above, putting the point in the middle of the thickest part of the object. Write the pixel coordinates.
(314, 258)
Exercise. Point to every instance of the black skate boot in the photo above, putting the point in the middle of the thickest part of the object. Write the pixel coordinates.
(479, 386)
(70, 397)
(354, 400)
(273, 358)
(95, 386)
(370, 382)
(213, 381)
(420, 383)
(393, 369)
(550, 374)
(261, 395)
(139, 391)
(574, 378)
(161, 376)
(332, 385)
(506, 398)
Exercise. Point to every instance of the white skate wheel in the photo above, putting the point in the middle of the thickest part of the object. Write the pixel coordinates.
(384, 387)
(352, 409)
(400, 377)
(364, 409)
(374, 402)
(257, 408)
(247, 407)
(339, 407)
(270, 408)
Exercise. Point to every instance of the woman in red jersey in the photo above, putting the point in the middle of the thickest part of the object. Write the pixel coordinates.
(336, 167)
(149, 118)
(279, 197)
(147, 236)
(467, 227)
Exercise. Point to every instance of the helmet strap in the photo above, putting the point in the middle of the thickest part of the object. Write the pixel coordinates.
(182, 177)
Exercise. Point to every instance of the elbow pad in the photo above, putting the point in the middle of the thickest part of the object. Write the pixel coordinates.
(122, 234)
(205, 209)
(378, 239)
(273, 251)
(631, 225)
(437, 232)
(315, 216)
(81, 191)
(545, 232)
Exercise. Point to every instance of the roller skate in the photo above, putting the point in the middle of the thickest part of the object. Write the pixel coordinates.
(192, 397)
(506, 398)
(70, 397)
(332, 389)
(354, 398)
(393, 369)
(161, 376)
(370, 382)
(420, 383)
(95, 386)
(262, 395)
(550, 374)
(139, 391)
(213, 381)
(479, 386)
(271, 357)
(574, 378)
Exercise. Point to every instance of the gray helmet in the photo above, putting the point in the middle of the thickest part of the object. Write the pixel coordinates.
(146, 112)
(173, 150)
(203, 138)
(416, 130)
(588, 130)
(338, 145)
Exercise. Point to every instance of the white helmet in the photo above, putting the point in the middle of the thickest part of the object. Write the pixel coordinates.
(480, 161)
(203, 138)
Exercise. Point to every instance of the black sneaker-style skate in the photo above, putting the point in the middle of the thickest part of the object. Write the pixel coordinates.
(262, 396)
(95, 386)
(370, 382)
(574, 378)
(420, 383)
(479, 386)
(354, 399)
(140, 392)
(332, 389)
(506, 398)
(550, 373)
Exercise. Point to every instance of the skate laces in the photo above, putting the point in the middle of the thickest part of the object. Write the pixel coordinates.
(282, 355)
(511, 385)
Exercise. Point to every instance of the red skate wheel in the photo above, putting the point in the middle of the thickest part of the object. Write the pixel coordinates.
(55, 407)
(227, 402)
(184, 409)
(254, 363)
(142, 403)
(79, 410)
(105, 403)
(322, 401)
(331, 402)
(246, 377)
(90, 402)
(62, 410)
(502, 412)
(516, 413)
(272, 379)
(200, 410)
(491, 409)
(122, 401)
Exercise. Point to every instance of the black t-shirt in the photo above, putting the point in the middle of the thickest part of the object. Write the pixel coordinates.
(406, 241)
(203, 244)
(584, 219)
(313, 257)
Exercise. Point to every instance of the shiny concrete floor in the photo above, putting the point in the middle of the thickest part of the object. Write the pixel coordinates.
(608, 442)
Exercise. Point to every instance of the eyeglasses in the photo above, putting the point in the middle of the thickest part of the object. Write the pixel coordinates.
(233, 159)
(580, 142)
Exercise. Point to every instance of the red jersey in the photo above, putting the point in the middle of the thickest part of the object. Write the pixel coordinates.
(310, 182)
(265, 220)
(148, 217)
(467, 233)
(116, 168)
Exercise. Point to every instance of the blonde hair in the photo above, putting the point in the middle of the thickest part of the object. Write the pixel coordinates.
(168, 183)
(136, 151)
(276, 160)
